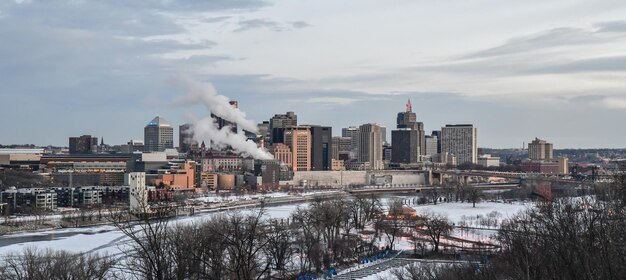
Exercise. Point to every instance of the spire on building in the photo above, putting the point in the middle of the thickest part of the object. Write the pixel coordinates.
(408, 106)
(101, 141)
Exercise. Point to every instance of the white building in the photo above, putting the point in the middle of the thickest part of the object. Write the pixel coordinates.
(460, 141)
(370, 146)
(137, 191)
(487, 160)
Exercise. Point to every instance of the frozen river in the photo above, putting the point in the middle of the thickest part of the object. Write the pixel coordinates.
(105, 238)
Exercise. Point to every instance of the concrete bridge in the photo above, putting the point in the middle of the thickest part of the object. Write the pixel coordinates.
(462, 176)
(421, 188)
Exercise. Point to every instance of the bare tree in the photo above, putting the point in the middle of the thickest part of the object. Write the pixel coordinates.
(392, 225)
(565, 239)
(435, 226)
(147, 257)
(49, 264)
(473, 195)
(279, 248)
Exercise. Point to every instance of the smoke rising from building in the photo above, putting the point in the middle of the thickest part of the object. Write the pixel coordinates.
(217, 104)
(206, 129)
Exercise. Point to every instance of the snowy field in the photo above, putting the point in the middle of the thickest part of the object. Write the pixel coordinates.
(455, 211)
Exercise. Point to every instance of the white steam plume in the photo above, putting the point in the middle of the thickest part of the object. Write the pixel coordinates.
(206, 130)
(217, 104)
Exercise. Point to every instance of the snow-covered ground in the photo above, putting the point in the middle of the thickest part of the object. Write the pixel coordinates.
(107, 238)
(226, 197)
(104, 239)
(457, 212)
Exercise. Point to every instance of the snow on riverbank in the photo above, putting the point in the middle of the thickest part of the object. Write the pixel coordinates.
(456, 211)
(106, 239)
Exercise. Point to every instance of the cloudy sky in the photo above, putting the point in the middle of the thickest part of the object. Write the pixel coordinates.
(515, 69)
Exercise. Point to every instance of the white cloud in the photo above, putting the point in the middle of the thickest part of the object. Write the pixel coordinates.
(332, 100)
(614, 103)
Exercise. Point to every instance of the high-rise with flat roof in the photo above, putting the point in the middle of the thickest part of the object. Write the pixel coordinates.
(460, 141)
(186, 143)
(352, 132)
(437, 133)
(158, 135)
(539, 150)
(370, 146)
(321, 147)
(404, 146)
(431, 145)
(278, 125)
(298, 138)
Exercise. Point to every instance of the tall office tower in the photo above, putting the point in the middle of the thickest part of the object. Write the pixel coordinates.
(352, 132)
(158, 135)
(264, 131)
(406, 140)
(405, 146)
(387, 152)
(278, 125)
(186, 142)
(221, 123)
(321, 150)
(83, 144)
(460, 141)
(407, 118)
(383, 134)
(283, 153)
(539, 150)
(431, 145)
(437, 133)
(370, 146)
(341, 147)
(334, 147)
(298, 138)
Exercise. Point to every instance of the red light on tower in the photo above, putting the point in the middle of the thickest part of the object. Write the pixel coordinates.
(408, 106)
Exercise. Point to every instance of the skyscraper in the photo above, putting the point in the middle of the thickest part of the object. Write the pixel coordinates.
(460, 140)
(298, 138)
(321, 147)
(264, 131)
(352, 132)
(341, 147)
(410, 142)
(158, 135)
(383, 134)
(407, 119)
(221, 122)
(370, 146)
(539, 150)
(431, 145)
(437, 133)
(83, 144)
(278, 125)
(404, 146)
(186, 142)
